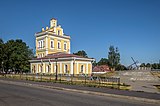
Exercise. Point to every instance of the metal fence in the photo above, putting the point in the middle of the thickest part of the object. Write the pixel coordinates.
(69, 79)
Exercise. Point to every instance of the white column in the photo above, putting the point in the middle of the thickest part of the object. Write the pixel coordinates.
(77, 68)
(31, 67)
(36, 68)
(46, 45)
(87, 68)
(60, 67)
(71, 67)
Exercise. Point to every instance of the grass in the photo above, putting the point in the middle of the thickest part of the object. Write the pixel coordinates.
(80, 82)
(157, 74)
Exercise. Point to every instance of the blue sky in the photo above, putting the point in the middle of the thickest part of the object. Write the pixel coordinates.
(131, 25)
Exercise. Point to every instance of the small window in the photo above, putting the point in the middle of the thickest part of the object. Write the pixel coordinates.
(59, 32)
(59, 45)
(52, 44)
(82, 68)
(66, 68)
(65, 46)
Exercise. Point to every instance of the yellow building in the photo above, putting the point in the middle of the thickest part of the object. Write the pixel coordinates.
(53, 53)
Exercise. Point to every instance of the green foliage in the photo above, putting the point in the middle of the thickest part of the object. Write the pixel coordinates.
(143, 65)
(113, 57)
(120, 67)
(1, 53)
(16, 56)
(81, 53)
(103, 61)
(155, 66)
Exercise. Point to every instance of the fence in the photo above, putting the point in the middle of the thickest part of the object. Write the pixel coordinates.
(70, 79)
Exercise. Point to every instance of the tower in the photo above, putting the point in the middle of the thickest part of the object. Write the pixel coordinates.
(53, 22)
(52, 40)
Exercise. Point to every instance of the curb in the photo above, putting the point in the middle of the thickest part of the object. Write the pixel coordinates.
(83, 91)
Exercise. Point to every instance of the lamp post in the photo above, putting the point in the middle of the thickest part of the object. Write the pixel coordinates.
(2, 67)
(49, 68)
(73, 66)
(56, 69)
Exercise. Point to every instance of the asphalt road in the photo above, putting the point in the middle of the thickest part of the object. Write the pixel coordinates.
(14, 95)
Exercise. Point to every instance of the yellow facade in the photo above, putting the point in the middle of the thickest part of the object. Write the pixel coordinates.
(52, 41)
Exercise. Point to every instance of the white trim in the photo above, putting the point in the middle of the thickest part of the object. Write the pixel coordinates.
(65, 43)
(31, 68)
(46, 45)
(60, 67)
(52, 46)
(59, 45)
(87, 68)
(71, 71)
(54, 37)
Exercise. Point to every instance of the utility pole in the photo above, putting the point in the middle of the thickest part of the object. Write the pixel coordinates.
(56, 69)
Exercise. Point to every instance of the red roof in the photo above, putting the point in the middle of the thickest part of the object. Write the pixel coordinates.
(101, 68)
(58, 55)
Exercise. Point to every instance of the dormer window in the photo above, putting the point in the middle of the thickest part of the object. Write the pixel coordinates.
(59, 32)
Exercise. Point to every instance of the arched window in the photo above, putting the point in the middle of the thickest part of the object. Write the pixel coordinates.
(82, 68)
(59, 32)
(59, 45)
(52, 44)
(65, 46)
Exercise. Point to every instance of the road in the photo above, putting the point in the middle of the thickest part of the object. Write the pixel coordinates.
(14, 95)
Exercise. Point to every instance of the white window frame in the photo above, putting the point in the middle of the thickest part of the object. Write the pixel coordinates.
(65, 71)
(52, 44)
(58, 32)
(59, 47)
(40, 44)
(65, 46)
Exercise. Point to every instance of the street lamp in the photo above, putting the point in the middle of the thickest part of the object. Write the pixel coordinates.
(56, 69)
(73, 66)
(2, 67)
(49, 68)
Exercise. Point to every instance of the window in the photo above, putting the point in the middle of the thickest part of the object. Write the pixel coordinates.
(66, 69)
(65, 46)
(52, 44)
(40, 44)
(82, 68)
(59, 45)
(48, 69)
(59, 32)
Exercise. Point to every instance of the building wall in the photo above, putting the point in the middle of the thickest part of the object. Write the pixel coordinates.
(73, 67)
(57, 36)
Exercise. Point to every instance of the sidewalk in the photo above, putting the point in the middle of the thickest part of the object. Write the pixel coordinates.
(135, 94)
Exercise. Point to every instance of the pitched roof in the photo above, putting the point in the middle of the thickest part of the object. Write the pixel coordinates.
(101, 68)
(59, 55)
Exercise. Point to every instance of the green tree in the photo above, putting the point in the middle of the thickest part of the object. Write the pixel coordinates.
(103, 61)
(17, 54)
(155, 66)
(113, 57)
(143, 65)
(148, 65)
(81, 53)
(1, 53)
(120, 67)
